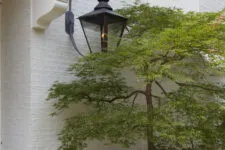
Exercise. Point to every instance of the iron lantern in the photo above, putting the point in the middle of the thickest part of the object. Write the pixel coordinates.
(103, 28)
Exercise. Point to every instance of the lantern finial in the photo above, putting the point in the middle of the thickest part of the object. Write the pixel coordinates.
(103, 0)
(103, 4)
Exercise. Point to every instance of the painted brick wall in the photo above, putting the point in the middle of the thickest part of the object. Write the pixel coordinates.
(32, 61)
(211, 5)
(15, 62)
(186, 5)
(51, 54)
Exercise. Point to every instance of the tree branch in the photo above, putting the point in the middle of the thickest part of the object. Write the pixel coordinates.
(128, 96)
(116, 98)
(159, 58)
(159, 102)
(120, 97)
(198, 86)
(172, 59)
(135, 97)
(161, 87)
(155, 96)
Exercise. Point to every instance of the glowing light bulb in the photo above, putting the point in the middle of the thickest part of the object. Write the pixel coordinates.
(103, 35)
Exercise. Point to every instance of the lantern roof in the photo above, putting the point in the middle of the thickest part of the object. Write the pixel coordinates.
(102, 9)
(100, 12)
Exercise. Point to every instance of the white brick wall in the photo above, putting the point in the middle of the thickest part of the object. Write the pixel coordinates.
(211, 5)
(33, 60)
(186, 5)
(51, 54)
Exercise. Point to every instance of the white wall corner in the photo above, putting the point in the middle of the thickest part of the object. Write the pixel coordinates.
(45, 11)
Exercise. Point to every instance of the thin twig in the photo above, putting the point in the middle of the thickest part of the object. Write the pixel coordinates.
(133, 102)
(159, 102)
(135, 97)
(155, 96)
(198, 86)
(116, 98)
(159, 58)
(192, 144)
(161, 87)
(120, 97)
(128, 96)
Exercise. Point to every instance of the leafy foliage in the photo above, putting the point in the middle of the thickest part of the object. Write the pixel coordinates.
(163, 44)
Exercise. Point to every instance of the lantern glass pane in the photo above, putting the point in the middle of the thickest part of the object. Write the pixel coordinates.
(93, 34)
(114, 33)
(103, 31)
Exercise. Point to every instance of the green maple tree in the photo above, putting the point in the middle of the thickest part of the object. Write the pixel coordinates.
(163, 44)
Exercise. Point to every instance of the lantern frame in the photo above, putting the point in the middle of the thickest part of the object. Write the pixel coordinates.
(102, 16)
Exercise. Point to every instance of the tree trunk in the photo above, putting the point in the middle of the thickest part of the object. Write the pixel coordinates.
(149, 116)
